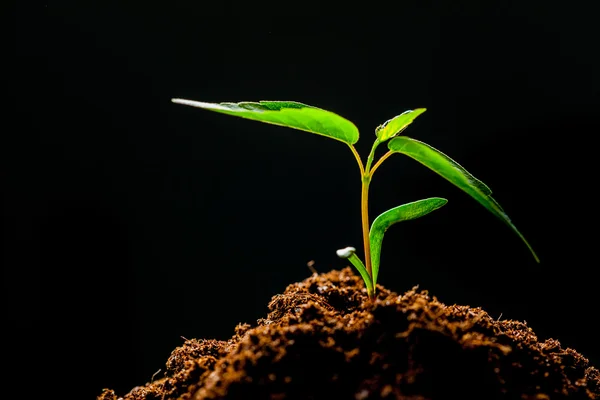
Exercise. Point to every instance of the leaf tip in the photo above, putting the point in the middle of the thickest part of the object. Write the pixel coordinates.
(346, 252)
(185, 102)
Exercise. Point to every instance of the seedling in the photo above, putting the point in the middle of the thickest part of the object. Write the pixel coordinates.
(326, 123)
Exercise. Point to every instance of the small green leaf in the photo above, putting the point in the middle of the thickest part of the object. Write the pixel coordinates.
(404, 212)
(289, 114)
(394, 126)
(456, 174)
(350, 254)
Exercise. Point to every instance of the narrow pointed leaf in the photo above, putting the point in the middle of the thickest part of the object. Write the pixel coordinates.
(404, 212)
(358, 264)
(394, 126)
(290, 114)
(456, 174)
(349, 253)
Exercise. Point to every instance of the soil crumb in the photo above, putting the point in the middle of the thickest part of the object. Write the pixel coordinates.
(323, 339)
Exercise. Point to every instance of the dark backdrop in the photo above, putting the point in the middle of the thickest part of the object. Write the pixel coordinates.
(132, 222)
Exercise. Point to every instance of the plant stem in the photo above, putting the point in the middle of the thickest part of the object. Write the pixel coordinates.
(364, 209)
(358, 160)
(382, 159)
(370, 158)
(364, 202)
(366, 173)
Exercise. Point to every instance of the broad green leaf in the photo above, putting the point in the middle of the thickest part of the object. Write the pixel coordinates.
(404, 212)
(290, 114)
(453, 172)
(394, 126)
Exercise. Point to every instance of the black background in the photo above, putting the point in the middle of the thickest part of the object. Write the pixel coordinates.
(131, 222)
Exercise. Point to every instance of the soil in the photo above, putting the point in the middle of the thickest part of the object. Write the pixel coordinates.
(323, 339)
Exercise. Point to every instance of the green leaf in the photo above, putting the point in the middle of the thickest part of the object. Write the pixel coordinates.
(358, 264)
(456, 174)
(404, 212)
(350, 254)
(394, 126)
(290, 114)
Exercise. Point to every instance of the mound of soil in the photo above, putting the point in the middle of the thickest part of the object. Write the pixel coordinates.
(323, 339)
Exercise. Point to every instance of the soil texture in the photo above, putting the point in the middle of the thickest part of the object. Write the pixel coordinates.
(323, 339)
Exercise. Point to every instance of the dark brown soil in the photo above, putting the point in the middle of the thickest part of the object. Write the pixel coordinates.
(323, 339)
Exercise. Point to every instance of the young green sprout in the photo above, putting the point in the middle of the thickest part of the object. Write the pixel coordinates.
(311, 119)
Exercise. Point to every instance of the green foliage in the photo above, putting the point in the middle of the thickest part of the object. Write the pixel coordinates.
(290, 114)
(316, 120)
(394, 126)
(350, 254)
(404, 212)
(454, 173)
